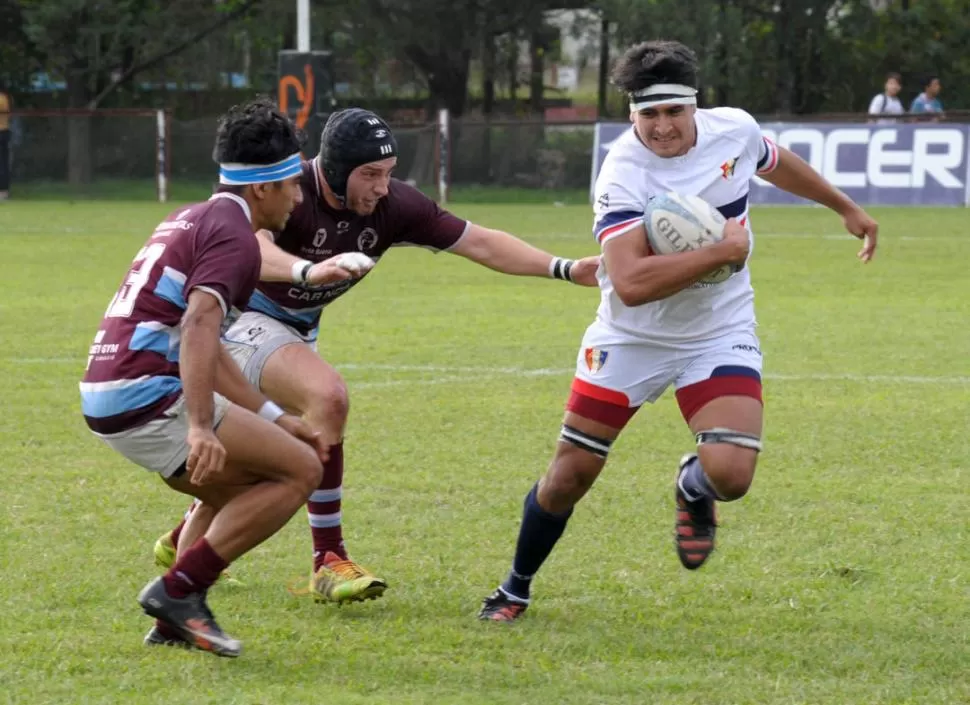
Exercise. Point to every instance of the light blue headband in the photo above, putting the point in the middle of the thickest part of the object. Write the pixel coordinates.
(242, 174)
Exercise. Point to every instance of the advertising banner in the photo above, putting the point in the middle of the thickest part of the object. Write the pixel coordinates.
(900, 165)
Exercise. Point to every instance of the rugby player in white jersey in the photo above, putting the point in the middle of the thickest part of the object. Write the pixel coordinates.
(658, 326)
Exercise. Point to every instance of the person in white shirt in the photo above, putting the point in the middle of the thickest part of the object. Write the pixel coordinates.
(887, 102)
(657, 326)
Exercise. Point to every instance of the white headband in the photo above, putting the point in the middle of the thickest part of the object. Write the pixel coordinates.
(662, 94)
(241, 174)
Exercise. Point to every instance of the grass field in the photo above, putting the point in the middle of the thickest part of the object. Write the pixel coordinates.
(842, 578)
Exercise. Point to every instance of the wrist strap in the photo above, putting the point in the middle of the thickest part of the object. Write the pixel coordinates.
(560, 268)
(300, 270)
(270, 411)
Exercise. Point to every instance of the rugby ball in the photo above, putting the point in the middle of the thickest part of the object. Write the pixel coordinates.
(676, 222)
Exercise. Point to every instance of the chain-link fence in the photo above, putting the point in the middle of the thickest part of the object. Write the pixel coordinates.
(54, 152)
(528, 155)
(116, 154)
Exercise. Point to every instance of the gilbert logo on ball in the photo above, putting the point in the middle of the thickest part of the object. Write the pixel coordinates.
(677, 223)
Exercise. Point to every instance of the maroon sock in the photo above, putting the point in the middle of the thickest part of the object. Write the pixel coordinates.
(177, 531)
(324, 509)
(195, 570)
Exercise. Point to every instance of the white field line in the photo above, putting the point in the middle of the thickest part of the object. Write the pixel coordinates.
(67, 230)
(447, 374)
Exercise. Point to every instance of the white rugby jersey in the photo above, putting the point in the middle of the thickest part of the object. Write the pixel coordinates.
(730, 150)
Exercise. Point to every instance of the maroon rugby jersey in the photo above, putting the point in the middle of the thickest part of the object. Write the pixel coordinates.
(316, 231)
(133, 366)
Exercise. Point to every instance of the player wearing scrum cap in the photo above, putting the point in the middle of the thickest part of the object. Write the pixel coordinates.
(353, 210)
(658, 326)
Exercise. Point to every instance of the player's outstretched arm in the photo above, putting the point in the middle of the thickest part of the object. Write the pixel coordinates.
(277, 265)
(639, 277)
(508, 254)
(795, 175)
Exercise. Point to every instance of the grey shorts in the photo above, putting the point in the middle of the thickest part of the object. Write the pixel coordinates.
(253, 337)
(161, 445)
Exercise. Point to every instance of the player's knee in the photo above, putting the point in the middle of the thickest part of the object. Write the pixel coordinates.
(734, 483)
(572, 472)
(728, 458)
(311, 478)
(729, 468)
(567, 482)
(329, 401)
(307, 472)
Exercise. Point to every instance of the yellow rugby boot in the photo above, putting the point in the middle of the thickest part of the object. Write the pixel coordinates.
(341, 580)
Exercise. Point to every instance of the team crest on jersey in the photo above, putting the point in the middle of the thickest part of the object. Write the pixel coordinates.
(367, 239)
(727, 168)
(595, 359)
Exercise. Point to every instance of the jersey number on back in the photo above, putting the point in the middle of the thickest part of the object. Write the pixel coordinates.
(123, 303)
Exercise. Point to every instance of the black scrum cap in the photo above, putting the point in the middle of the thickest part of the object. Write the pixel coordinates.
(350, 138)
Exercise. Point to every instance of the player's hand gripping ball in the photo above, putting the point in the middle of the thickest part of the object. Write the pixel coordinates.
(677, 222)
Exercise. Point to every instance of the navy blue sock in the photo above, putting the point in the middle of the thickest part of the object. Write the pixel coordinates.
(694, 482)
(538, 534)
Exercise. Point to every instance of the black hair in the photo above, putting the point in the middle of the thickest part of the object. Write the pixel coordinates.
(894, 75)
(930, 78)
(256, 133)
(657, 61)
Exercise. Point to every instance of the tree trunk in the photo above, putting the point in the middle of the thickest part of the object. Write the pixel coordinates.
(699, 38)
(723, 91)
(488, 102)
(786, 51)
(488, 75)
(447, 75)
(537, 64)
(288, 37)
(79, 167)
(604, 68)
(512, 67)
(449, 87)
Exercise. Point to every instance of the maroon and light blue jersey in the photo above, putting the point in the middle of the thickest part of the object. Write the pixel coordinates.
(316, 231)
(132, 374)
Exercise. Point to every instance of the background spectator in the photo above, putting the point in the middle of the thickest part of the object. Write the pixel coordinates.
(887, 102)
(928, 101)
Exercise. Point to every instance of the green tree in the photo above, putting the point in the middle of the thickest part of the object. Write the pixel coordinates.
(97, 46)
(807, 56)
